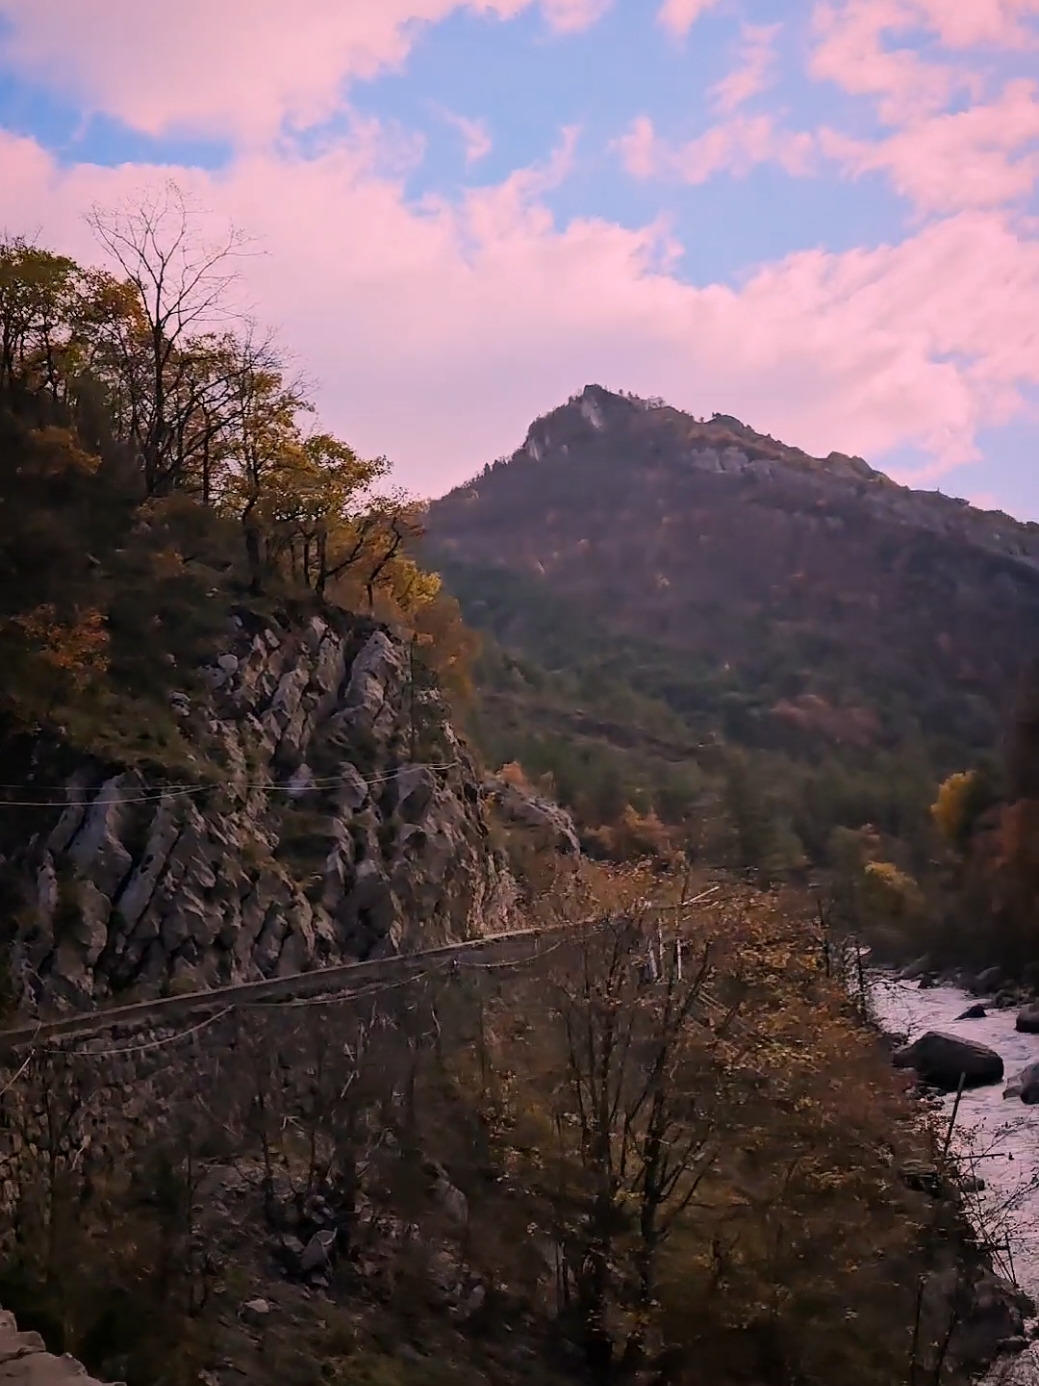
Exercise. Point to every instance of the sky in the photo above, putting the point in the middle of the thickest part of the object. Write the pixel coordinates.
(818, 215)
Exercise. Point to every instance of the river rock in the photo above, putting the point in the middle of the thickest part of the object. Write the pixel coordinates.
(1028, 1019)
(994, 1315)
(916, 969)
(1011, 1345)
(975, 1012)
(1025, 1085)
(987, 982)
(939, 1059)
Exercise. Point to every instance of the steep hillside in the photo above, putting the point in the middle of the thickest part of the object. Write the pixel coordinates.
(678, 581)
(213, 766)
(337, 822)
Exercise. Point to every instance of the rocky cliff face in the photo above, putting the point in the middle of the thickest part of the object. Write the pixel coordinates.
(337, 816)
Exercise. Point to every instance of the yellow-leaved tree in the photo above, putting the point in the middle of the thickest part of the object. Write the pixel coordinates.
(953, 810)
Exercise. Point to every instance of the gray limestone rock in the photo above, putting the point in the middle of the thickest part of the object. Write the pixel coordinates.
(523, 808)
(318, 842)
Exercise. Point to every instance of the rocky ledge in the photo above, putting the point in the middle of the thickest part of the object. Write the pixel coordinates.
(25, 1361)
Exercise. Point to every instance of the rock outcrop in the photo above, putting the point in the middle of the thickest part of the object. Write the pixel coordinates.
(25, 1361)
(551, 825)
(336, 816)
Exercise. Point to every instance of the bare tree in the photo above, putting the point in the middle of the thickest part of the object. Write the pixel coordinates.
(634, 1120)
(182, 282)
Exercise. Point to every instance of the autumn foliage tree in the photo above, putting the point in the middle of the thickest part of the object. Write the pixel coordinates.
(988, 821)
(693, 1122)
(146, 386)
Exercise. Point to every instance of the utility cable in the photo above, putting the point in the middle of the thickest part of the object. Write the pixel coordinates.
(183, 791)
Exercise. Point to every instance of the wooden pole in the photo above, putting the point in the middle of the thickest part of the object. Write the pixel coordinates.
(862, 977)
(914, 1350)
(952, 1122)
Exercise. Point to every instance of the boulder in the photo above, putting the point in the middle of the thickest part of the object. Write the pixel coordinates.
(939, 1059)
(1018, 1343)
(1025, 1085)
(451, 1199)
(372, 700)
(255, 1312)
(987, 982)
(1028, 1019)
(318, 1251)
(288, 1252)
(975, 1012)
(993, 1314)
(916, 969)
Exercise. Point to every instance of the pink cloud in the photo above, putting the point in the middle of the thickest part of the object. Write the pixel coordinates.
(239, 67)
(679, 16)
(734, 146)
(850, 50)
(570, 16)
(751, 76)
(476, 138)
(639, 148)
(984, 156)
(854, 49)
(437, 331)
(1000, 23)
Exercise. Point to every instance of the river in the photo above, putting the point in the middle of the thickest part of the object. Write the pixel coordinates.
(996, 1139)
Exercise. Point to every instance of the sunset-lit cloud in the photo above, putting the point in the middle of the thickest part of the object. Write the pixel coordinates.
(241, 66)
(734, 146)
(452, 303)
(438, 305)
(476, 138)
(987, 155)
(751, 74)
(679, 16)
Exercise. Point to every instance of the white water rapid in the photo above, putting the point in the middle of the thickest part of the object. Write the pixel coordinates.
(996, 1139)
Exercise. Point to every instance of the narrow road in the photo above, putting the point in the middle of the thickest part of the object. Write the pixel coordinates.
(516, 947)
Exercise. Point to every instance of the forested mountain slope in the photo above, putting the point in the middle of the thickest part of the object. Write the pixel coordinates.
(682, 584)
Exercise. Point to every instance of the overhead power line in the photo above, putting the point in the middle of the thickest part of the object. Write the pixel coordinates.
(185, 790)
